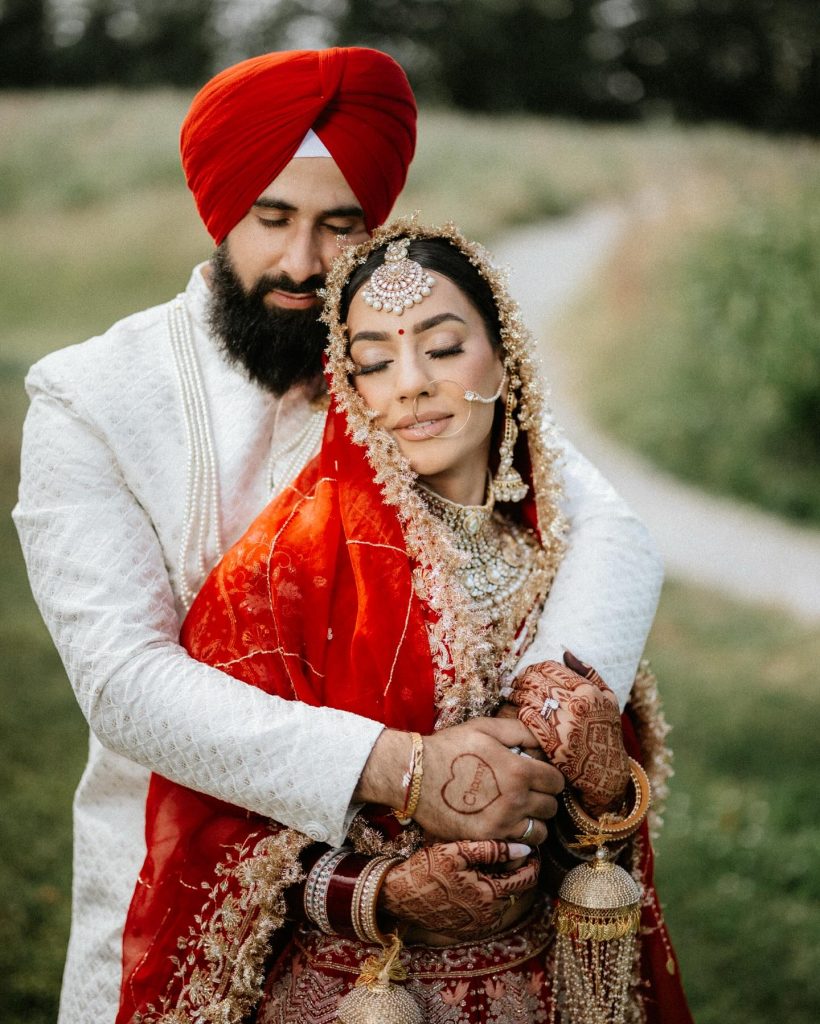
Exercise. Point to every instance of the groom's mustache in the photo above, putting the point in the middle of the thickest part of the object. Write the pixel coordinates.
(283, 283)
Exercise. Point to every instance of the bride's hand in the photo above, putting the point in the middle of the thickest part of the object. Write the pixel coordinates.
(576, 719)
(443, 889)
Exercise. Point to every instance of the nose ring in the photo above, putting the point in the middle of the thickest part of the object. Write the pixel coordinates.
(454, 390)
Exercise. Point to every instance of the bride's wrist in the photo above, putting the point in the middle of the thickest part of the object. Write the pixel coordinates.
(614, 824)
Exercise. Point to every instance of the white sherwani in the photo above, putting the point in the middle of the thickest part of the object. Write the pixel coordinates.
(116, 469)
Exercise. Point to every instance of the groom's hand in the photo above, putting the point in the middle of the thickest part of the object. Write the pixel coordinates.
(473, 787)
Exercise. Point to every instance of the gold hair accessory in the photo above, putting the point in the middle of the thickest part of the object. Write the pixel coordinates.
(399, 283)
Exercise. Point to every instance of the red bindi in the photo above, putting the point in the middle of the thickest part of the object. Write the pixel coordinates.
(401, 330)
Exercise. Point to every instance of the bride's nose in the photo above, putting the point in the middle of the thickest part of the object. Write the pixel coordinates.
(413, 379)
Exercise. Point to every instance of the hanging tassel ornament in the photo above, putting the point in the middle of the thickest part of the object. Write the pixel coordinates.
(597, 916)
(375, 999)
(508, 485)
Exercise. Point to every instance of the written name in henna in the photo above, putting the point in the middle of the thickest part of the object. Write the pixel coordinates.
(472, 785)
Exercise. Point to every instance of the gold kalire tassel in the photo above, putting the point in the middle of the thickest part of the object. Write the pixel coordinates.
(375, 999)
(597, 915)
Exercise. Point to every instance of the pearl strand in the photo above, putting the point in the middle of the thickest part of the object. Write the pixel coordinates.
(299, 450)
(202, 512)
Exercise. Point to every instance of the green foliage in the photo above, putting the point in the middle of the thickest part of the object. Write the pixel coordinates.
(737, 858)
(726, 354)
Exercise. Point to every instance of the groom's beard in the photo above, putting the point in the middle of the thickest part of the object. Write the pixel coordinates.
(277, 347)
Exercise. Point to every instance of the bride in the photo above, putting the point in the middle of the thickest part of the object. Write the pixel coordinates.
(401, 577)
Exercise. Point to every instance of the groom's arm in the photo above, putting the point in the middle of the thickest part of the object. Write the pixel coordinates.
(606, 590)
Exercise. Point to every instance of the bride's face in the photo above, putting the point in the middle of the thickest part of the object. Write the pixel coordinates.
(413, 370)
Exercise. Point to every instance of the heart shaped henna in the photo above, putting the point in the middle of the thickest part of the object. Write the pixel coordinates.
(472, 785)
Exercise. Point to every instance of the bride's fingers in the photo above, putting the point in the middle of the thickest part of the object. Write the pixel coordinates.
(490, 851)
(587, 671)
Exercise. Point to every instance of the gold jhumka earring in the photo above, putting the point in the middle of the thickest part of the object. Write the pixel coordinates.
(508, 485)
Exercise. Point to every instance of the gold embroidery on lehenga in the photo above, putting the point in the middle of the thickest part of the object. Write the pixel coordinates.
(238, 918)
(445, 982)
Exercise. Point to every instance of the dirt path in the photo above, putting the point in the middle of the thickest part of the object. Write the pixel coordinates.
(706, 540)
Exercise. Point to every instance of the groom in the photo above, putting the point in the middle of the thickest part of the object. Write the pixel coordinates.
(148, 450)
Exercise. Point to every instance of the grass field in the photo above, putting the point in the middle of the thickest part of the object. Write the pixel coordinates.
(97, 225)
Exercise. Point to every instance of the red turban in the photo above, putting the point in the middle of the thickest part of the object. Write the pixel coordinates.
(245, 125)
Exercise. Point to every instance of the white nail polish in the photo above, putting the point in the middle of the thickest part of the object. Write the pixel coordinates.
(519, 850)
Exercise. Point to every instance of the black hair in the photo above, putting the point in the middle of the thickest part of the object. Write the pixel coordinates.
(442, 257)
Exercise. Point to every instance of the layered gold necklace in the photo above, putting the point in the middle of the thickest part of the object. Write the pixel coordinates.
(499, 555)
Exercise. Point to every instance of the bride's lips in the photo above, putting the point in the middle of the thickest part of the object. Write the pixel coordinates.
(429, 424)
(291, 300)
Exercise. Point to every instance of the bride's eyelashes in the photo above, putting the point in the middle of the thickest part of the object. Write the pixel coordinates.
(439, 353)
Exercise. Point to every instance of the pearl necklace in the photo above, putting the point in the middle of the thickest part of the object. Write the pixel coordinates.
(298, 449)
(500, 555)
(202, 513)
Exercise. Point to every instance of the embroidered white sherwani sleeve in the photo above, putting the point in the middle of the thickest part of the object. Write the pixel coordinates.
(101, 520)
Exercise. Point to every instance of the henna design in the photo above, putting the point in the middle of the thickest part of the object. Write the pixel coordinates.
(583, 737)
(439, 888)
(472, 785)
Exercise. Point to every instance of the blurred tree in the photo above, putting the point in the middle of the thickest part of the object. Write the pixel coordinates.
(24, 43)
(133, 42)
(753, 61)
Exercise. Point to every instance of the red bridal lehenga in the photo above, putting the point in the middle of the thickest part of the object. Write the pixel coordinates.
(348, 592)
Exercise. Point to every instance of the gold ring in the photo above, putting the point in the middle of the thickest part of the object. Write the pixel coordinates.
(528, 830)
(513, 899)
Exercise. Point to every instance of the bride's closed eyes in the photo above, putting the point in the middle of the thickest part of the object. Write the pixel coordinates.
(365, 367)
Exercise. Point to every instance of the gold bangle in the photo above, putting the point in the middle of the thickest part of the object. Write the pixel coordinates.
(611, 826)
(363, 911)
(412, 781)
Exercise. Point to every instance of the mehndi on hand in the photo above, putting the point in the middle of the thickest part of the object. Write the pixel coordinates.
(576, 719)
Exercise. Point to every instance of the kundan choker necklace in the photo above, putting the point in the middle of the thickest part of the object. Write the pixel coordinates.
(499, 554)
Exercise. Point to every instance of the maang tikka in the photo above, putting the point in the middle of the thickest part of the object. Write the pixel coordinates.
(508, 485)
(399, 283)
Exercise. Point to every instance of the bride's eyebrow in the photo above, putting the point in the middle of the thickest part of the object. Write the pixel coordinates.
(369, 336)
(434, 321)
(419, 328)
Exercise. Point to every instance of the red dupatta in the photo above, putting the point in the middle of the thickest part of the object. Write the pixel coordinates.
(315, 603)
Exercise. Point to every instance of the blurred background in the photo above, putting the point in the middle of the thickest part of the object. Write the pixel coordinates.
(693, 340)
